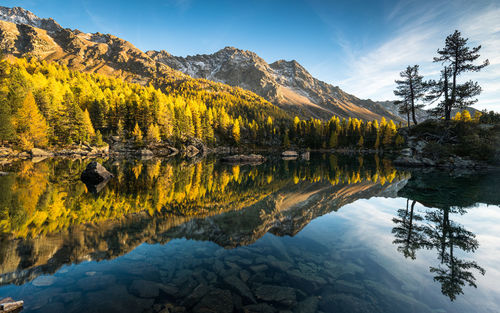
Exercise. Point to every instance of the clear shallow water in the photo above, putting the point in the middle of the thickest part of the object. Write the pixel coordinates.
(329, 235)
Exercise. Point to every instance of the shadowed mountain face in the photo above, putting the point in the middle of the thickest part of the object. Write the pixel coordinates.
(284, 83)
(154, 202)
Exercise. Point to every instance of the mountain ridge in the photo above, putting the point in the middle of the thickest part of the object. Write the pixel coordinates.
(286, 84)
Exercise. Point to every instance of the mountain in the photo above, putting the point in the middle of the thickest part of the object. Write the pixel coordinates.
(23, 33)
(284, 83)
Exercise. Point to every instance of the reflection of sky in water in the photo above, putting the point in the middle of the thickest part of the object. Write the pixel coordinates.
(367, 224)
(359, 234)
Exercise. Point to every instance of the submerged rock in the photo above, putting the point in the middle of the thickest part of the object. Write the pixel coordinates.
(95, 174)
(43, 281)
(144, 289)
(259, 308)
(309, 305)
(238, 285)
(216, 301)
(242, 158)
(196, 295)
(283, 295)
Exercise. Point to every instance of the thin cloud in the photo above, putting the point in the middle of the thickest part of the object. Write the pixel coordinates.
(422, 32)
(181, 5)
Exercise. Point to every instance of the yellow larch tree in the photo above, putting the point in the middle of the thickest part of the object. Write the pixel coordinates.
(30, 124)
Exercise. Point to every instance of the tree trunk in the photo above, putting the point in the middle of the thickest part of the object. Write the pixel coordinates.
(454, 84)
(410, 227)
(447, 107)
(413, 114)
(412, 96)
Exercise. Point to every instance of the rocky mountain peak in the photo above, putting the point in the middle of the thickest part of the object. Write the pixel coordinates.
(18, 15)
(239, 54)
(290, 69)
(285, 63)
(285, 83)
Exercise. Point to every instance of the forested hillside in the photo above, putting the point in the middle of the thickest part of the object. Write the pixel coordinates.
(46, 104)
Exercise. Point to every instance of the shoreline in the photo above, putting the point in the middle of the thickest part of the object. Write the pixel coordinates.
(400, 158)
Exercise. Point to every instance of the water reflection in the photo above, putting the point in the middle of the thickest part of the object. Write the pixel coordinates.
(409, 235)
(445, 196)
(210, 237)
(50, 218)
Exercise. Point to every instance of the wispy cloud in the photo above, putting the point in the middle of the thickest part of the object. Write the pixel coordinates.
(181, 5)
(99, 22)
(421, 30)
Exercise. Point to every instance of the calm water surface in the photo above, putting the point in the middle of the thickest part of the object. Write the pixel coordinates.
(333, 234)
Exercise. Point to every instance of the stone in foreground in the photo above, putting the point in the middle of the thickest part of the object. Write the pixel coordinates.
(95, 174)
(9, 305)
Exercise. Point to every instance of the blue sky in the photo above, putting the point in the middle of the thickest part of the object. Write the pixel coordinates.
(360, 46)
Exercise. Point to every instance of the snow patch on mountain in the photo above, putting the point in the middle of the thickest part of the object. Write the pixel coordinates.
(20, 16)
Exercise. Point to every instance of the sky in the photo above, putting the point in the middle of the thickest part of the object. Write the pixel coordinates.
(360, 46)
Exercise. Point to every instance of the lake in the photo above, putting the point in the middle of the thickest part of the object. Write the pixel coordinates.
(333, 234)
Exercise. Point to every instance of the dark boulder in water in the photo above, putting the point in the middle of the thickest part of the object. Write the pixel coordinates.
(95, 174)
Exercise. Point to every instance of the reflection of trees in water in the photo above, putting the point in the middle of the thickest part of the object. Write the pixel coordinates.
(445, 236)
(48, 197)
(409, 235)
(437, 231)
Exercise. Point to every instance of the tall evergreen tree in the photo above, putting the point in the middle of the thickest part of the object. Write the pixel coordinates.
(457, 58)
(411, 89)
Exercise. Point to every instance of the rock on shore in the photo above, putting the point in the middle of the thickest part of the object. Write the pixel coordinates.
(289, 154)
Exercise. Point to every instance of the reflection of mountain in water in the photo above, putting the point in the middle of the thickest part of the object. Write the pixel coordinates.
(230, 206)
(282, 213)
(434, 229)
